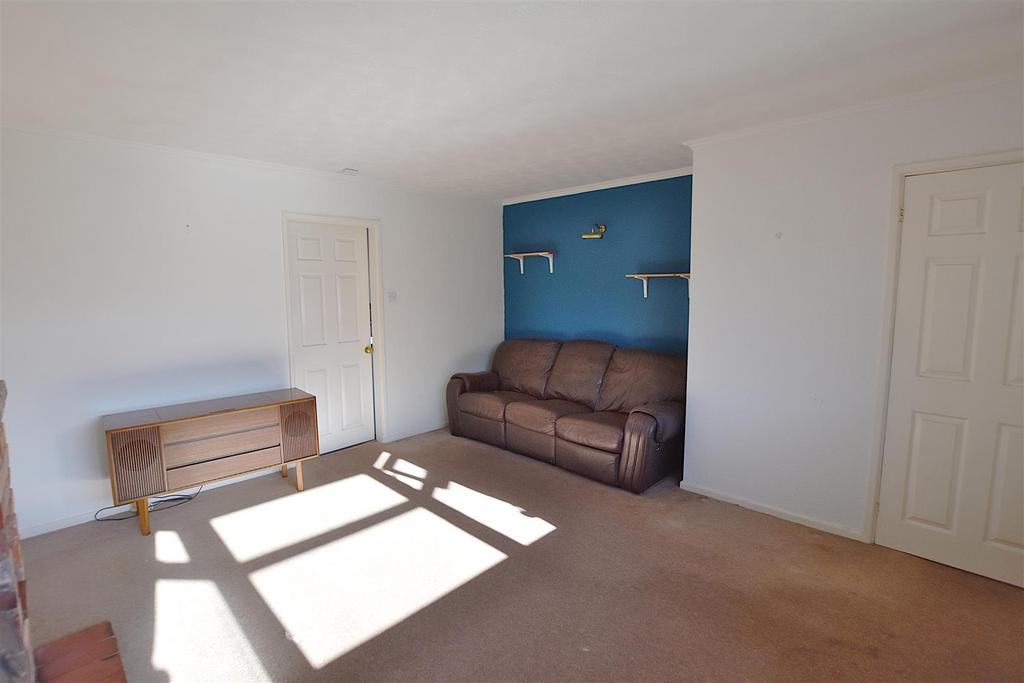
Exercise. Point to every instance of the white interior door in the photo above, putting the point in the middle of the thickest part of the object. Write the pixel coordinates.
(953, 466)
(329, 327)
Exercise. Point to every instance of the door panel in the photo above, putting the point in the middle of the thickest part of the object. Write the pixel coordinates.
(936, 448)
(347, 293)
(1006, 523)
(311, 309)
(1014, 375)
(351, 396)
(948, 323)
(952, 485)
(329, 327)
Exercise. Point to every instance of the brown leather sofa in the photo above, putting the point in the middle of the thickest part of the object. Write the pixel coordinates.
(611, 414)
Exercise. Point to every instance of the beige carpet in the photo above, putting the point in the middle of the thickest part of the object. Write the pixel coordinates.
(446, 559)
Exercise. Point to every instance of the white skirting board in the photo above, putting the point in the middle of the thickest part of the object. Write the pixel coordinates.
(56, 525)
(820, 525)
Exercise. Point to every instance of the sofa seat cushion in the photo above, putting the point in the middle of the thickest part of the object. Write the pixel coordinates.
(490, 404)
(540, 416)
(598, 430)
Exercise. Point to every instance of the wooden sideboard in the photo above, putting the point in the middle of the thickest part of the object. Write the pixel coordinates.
(160, 450)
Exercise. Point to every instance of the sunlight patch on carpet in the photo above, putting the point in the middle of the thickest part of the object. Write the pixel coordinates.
(335, 597)
(197, 638)
(168, 548)
(505, 518)
(404, 471)
(280, 523)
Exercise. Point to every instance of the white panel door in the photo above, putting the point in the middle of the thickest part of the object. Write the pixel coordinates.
(953, 467)
(329, 327)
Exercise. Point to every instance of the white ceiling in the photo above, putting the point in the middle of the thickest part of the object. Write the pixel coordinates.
(496, 100)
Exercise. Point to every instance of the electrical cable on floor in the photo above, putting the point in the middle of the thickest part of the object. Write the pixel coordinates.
(156, 504)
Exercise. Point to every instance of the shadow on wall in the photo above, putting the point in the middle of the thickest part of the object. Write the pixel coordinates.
(482, 359)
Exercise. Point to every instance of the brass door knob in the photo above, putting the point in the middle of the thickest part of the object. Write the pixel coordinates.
(368, 348)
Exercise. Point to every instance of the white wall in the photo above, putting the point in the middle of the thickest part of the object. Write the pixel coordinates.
(791, 264)
(110, 303)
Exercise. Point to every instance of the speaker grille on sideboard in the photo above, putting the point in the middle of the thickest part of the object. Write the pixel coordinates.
(298, 430)
(138, 468)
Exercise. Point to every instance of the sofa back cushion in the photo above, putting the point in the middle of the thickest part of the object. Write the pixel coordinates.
(635, 377)
(525, 364)
(578, 371)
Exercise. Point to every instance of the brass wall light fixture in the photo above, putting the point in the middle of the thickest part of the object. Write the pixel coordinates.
(596, 232)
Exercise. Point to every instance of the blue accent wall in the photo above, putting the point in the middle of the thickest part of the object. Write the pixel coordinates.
(588, 296)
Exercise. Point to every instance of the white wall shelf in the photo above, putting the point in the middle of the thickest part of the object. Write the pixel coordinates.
(521, 256)
(644, 277)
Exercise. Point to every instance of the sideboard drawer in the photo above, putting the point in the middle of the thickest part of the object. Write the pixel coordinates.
(215, 425)
(187, 452)
(191, 475)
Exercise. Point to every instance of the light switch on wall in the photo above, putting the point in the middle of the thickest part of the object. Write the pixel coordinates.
(392, 297)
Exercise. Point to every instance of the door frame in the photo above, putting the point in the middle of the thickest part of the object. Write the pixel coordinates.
(900, 174)
(374, 249)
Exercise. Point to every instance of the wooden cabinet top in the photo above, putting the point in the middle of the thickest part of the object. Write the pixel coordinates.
(184, 411)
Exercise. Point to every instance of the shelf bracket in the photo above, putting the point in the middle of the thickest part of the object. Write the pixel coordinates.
(521, 257)
(644, 278)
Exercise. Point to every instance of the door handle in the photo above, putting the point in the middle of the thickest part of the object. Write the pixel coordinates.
(368, 348)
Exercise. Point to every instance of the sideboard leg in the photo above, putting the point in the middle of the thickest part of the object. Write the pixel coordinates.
(284, 471)
(299, 485)
(142, 507)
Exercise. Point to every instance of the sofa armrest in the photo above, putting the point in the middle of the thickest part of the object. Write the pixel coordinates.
(652, 445)
(668, 415)
(478, 381)
(461, 383)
